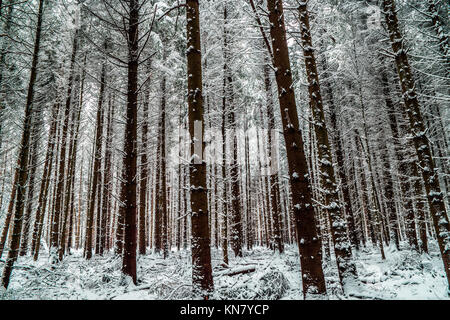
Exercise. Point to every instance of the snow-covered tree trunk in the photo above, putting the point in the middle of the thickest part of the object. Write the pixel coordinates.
(107, 180)
(308, 240)
(22, 162)
(405, 168)
(342, 248)
(163, 199)
(68, 204)
(45, 184)
(58, 209)
(339, 150)
(3, 53)
(272, 145)
(422, 145)
(96, 173)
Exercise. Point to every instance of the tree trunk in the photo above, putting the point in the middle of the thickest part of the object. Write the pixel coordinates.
(236, 223)
(130, 148)
(157, 210)
(342, 247)
(336, 136)
(163, 199)
(249, 190)
(107, 182)
(45, 184)
(23, 158)
(404, 167)
(421, 143)
(68, 202)
(3, 54)
(272, 148)
(54, 238)
(224, 171)
(308, 240)
(201, 254)
(180, 181)
(9, 213)
(144, 173)
(96, 185)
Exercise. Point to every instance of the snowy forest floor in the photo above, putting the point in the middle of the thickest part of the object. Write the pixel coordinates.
(404, 275)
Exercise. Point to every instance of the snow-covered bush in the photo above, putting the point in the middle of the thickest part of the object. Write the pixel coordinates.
(273, 285)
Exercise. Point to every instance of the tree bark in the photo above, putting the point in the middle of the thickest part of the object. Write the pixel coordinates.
(163, 199)
(201, 254)
(144, 173)
(308, 240)
(107, 182)
(342, 248)
(272, 145)
(130, 148)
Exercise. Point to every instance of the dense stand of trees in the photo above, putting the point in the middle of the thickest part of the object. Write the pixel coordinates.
(149, 127)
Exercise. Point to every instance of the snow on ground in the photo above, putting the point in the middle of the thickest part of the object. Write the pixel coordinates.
(404, 275)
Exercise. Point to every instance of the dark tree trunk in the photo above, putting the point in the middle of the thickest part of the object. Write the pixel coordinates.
(9, 213)
(68, 202)
(308, 240)
(157, 210)
(248, 189)
(236, 221)
(23, 158)
(3, 54)
(272, 147)
(180, 182)
(130, 148)
(107, 182)
(201, 251)
(163, 199)
(224, 171)
(144, 174)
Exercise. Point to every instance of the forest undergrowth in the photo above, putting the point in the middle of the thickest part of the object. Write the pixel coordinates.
(404, 275)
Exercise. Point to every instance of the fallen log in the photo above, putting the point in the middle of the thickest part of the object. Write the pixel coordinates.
(236, 271)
